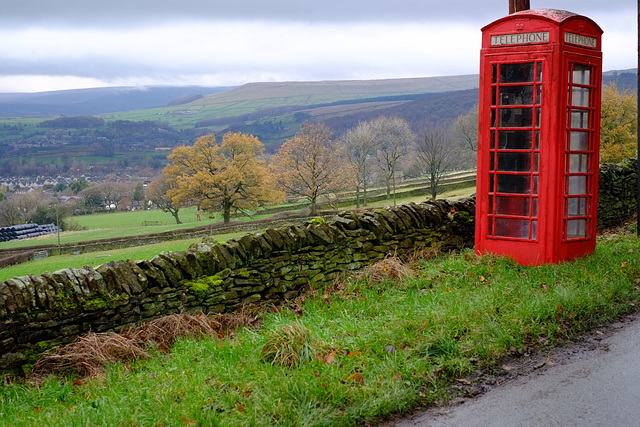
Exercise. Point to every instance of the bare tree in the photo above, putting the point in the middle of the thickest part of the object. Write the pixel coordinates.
(465, 129)
(310, 165)
(359, 145)
(23, 208)
(393, 138)
(433, 153)
(157, 192)
(464, 135)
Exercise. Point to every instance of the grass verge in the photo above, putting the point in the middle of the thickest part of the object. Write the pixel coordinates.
(363, 348)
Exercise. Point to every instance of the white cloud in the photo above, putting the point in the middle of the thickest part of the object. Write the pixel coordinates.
(207, 43)
(43, 83)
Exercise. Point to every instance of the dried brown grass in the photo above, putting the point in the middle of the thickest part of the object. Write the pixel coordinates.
(391, 267)
(89, 355)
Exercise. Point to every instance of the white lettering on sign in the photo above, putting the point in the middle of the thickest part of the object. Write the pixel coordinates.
(580, 40)
(520, 38)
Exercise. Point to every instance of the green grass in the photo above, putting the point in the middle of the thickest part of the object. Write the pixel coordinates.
(380, 348)
(94, 259)
(119, 224)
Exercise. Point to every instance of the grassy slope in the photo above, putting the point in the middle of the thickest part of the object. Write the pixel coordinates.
(254, 97)
(372, 349)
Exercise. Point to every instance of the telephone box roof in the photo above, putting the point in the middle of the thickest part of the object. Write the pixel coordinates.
(555, 16)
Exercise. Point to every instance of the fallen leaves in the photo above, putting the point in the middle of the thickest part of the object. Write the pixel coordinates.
(357, 378)
(328, 358)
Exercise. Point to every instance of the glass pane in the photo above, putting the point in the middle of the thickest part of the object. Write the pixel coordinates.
(534, 229)
(538, 117)
(490, 227)
(491, 212)
(516, 206)
(492, 181)
(494, 73)
(493, 139)
(580, 96)
(578, 163)
(516, 117)
(579, 141)
(493, 96)
(579, 119)
(581, 74)
(516, 73)
(492, 162)
(493, 118)
(517, 184)
(538, 95)
(577, 185)
(534, 211)
(577, 206)
(535, 184)
(510, 227)
(516, 95)
(576, 228)
(537, 147)
(539, 76)
(515, 140)
(514, 162)
(536, 162)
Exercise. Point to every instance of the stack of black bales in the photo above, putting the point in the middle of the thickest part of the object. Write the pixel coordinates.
(25, 231)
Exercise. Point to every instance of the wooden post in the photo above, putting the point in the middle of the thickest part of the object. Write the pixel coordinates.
(518, 5)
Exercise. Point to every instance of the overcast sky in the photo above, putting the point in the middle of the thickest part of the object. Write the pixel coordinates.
(63, 44)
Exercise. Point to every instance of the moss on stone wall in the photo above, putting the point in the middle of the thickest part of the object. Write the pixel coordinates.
(269, 267)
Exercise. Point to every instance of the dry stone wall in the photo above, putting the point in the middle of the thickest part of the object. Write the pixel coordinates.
(617, 194)
(39, 312)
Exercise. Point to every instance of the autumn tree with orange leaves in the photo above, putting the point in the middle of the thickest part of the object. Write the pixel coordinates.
(310, 165)
(228, 177)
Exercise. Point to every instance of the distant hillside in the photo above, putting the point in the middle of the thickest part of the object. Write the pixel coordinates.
(218, 102)
(624, 79)
(306, 93)
(96, 101)
(142, 125)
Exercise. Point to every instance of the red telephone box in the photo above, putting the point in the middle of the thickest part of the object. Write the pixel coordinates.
(539, 132)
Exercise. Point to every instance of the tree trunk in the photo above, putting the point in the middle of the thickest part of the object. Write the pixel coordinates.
(357, 197)
(314, 207)
(226, 211)
(434, 185)
(394, 188)
(175, 215)
(364, 192)
(393, 177)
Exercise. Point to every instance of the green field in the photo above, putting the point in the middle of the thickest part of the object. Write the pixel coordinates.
(123, 224)
(94, 259)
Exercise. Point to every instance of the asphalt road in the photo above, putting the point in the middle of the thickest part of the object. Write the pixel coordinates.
(593, 383)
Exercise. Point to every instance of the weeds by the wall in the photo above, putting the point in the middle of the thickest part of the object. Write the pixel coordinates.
(380, 348)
